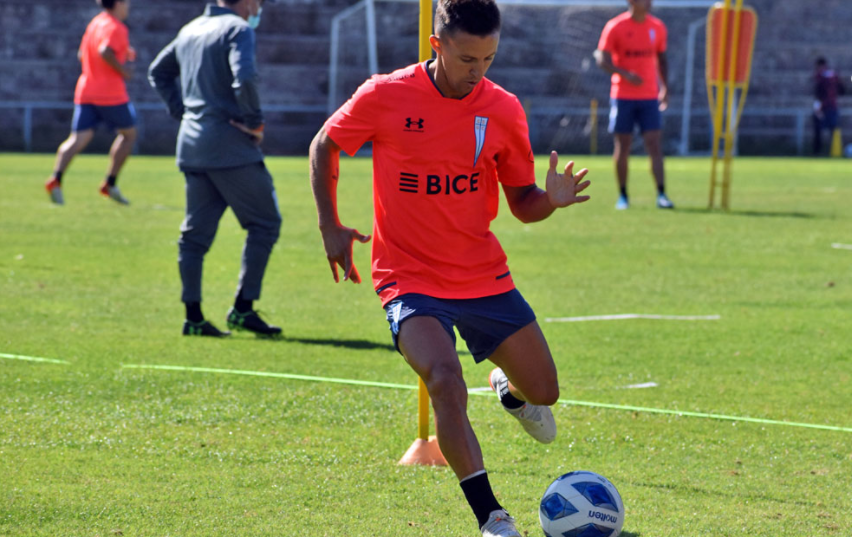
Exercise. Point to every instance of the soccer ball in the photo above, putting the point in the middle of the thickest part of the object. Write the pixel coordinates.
(581, 504)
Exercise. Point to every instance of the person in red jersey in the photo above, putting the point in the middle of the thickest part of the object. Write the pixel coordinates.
(632, 49)
(101, 97)
(445, 140)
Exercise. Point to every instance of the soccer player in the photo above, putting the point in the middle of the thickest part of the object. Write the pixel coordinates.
(632, 49)
(208, 79)
(827, 86)
(101, 97)
(445, 138)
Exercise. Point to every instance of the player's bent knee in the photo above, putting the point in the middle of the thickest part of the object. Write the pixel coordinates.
(546, 394)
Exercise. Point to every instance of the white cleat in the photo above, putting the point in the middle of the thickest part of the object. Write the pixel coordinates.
(54, 190)
(500, 524)
(114, 193)
(537, 420)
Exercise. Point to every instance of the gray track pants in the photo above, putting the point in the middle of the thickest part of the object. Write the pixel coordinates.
(249, 192)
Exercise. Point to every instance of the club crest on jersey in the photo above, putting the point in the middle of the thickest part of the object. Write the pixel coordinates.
(652, 34)
(479, 127)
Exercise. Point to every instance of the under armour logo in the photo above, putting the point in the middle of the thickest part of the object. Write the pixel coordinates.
(409, 122)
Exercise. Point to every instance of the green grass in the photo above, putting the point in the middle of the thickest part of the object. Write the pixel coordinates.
(90, 448)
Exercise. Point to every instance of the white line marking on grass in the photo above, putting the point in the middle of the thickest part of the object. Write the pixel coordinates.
(482, 389)
(641, 386)
(839, 246)
(591, 404)
(32, 358)
(622, 316)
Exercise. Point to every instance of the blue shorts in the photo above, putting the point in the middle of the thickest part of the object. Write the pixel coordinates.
(829, 120)
(484, 323)
(88, 116)
(624, 114)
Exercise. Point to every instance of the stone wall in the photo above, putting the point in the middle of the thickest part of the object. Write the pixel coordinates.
(39, 39)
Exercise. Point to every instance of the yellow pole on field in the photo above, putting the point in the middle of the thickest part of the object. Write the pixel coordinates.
(718, 104)
(836, 143)
(731, 90)
(593, 130)
(425, 449)
(425, 53)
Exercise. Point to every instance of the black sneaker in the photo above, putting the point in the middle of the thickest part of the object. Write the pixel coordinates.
(204, 328)
(252, 322)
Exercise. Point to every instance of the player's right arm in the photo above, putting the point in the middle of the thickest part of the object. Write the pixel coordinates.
(324, 158)
(163, 75)
(607, 44)
(111, 59)
(604, 61)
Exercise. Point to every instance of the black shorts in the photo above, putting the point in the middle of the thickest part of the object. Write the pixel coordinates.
(483, 323)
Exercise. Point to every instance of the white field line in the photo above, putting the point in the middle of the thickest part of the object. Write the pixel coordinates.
(623, 316)
(32, 358)
(839, 246)
(641, 386)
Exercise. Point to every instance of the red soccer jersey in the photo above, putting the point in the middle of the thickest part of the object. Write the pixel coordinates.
(436, 167)
(100, 84)
(634, 46)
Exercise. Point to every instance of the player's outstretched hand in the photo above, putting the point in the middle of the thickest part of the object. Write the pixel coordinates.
(338, 249)
(562, 188)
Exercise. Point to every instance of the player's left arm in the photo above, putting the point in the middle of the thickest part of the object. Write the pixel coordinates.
(532, 204)
(663, 68)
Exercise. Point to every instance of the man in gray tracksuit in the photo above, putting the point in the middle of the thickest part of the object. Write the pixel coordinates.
(208, 78)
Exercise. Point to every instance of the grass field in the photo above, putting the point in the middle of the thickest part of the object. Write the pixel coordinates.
(89, 447)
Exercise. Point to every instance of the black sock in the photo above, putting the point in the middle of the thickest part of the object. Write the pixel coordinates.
(477, 491)
(510, 401)
(505, 396)
(58, 177)
(193, 312)
(242, 305)
(623, 191)
(661, 190)
(111, 179)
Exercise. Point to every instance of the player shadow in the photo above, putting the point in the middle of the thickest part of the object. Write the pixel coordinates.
(357, 344)
(629, 534)
(761, 214)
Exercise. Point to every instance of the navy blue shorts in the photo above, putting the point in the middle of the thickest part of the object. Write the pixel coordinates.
(624, 114)
(88, 116)
(483, 323)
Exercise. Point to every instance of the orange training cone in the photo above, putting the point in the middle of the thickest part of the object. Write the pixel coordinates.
(424, 453)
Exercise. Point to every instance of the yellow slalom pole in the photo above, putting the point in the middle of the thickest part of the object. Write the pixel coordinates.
(425, 53)
(720, 98)
(593, 130)
(425, 449)
(836, 143)
(731, 90)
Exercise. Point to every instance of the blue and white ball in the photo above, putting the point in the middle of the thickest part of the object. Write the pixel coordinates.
(581, 504)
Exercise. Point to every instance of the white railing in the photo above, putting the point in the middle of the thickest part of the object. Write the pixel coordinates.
(29, 106)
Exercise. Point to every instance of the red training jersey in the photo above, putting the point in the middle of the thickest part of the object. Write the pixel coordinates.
(437, 163)
(634, 46)
(100, 84)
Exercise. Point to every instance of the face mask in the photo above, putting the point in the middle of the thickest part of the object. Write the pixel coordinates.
(254, 20)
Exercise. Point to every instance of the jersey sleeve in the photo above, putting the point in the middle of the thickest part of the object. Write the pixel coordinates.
(515, 162)
(662, 43)
(355, 122)
(118, 40)
(607, 40)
